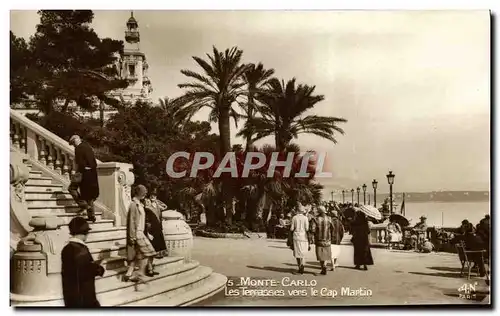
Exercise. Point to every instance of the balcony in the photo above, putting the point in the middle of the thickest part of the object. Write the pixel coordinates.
(132, 36)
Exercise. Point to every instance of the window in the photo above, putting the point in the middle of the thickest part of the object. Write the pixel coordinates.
(131, 70)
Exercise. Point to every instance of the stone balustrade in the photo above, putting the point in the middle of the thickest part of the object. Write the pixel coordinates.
(55, 157)
(379, 235)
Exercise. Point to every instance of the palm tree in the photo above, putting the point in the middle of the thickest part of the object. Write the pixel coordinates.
(256, 78)
(283, 107)
(174, 108)
(218, 88)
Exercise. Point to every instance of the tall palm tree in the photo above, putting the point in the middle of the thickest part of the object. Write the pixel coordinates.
(256, 78)
(219, 87)
(283, 107)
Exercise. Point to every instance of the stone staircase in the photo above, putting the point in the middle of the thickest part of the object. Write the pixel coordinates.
(181, 281)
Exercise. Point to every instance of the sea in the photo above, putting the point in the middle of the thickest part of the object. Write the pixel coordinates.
(444, 214)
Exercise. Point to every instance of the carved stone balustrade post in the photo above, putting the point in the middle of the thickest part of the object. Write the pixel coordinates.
(37, 261)
(115, 181)
(178, 235)
(19, 214)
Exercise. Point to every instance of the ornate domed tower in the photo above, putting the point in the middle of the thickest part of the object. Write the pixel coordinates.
(133, 66)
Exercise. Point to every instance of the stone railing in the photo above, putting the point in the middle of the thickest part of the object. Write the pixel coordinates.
(380, 237)
(55, 158)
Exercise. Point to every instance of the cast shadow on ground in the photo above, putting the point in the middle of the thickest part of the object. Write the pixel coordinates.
(305, 266)
(279, 247)
(276, 269)
(441, 274)
(447, 269)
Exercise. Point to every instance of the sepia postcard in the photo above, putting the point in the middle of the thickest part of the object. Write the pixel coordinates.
(249, 158)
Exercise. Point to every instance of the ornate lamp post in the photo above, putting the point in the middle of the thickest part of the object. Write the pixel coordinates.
(374, 184)
(390, 180)
(357, 190)
(364, 193)
(343, 196)
(352, 195)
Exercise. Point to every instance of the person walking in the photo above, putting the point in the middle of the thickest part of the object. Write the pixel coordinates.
(322, 234)
(337, 236)
(79, 269)
(299, 230)
(360, 232)
(139, 248)
(154, 231)
(84, 186)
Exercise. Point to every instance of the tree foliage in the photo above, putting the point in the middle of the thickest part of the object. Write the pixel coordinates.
(65, 61)
(283, 107)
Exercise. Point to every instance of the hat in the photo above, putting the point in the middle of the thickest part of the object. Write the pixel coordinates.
(139, 189)
(423, 217)
(321, 209)
(78, 225)
(334, 213)
(73, 139)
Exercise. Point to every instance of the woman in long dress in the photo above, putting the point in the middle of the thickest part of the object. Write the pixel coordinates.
(154, 232)
(299, 230)
(360, 232)
(139, 248)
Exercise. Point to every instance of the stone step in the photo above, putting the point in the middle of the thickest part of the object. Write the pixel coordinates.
(96, 235)
(47, 194)
(39, 180)
(112, 279)
(44, 187)
(112, 291)
(107, 242)
(35, 174)
(43, 210)
(180, 280)
(188, 294)
(49, 202)
(99, 253)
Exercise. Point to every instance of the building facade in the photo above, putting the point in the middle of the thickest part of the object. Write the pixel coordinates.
(133, 66)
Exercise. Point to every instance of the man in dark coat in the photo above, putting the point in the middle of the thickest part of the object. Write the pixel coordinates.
(85, 179)
(78, 268)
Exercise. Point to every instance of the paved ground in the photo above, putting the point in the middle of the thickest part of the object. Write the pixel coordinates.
(397, 277)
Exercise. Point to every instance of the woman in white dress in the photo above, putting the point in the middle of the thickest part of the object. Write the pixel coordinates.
(299, 229)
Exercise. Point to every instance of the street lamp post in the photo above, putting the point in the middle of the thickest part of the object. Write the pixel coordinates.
(357, 190)
(343, 196)
(352, 195)
(374, 184)
(332, 195)
(390, 179)
(364, 193)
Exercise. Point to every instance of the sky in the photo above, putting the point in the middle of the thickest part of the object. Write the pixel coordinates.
(413, 85)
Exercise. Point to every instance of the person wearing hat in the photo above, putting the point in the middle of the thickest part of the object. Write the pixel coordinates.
(360, 231)
(79, 268)
(338, 235)
(300, 242)
(84, 187)
(419, 233)
(139, 248)
(322, 232)
(154, 229)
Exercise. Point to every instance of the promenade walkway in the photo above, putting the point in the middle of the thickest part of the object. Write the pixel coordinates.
(397, 278)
